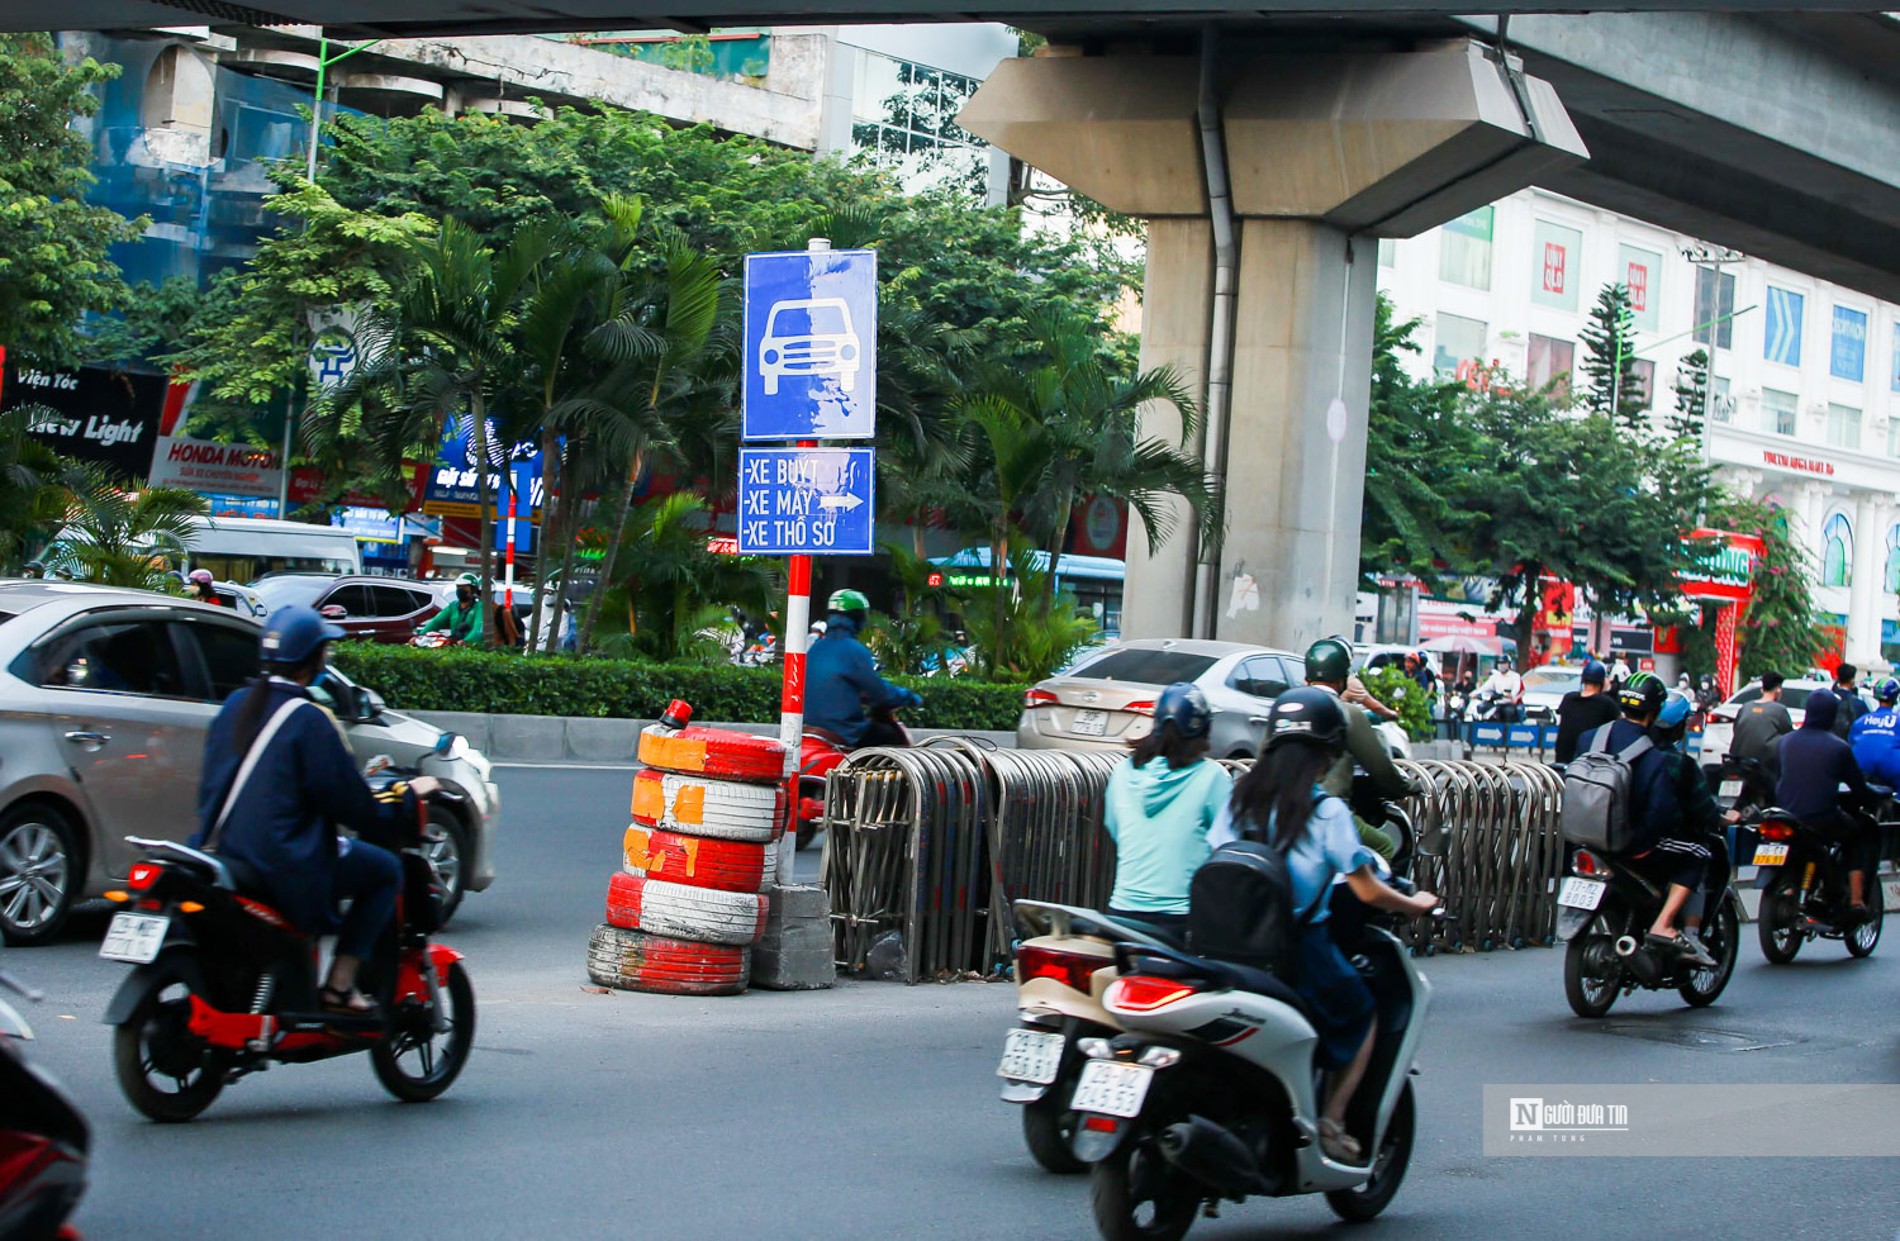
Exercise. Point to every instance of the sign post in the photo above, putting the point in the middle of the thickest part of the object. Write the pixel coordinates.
(1724, 575)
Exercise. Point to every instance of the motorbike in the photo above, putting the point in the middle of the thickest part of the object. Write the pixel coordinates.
(1744, 785)
(433, 641)
(1210, 1093)
(225, 986)
(1604, 911)
(1803, 882)
(819, 753)
(44, 1141)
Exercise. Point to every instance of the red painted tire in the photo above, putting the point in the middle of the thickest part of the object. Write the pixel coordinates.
(632, 961)
(681, 912)
(696, 861)
(712, 752)
(697, 806)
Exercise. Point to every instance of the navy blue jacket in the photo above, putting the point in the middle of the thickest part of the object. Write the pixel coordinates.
(306, 785)
(841, 682)
(1656, 809)
(1815, 763)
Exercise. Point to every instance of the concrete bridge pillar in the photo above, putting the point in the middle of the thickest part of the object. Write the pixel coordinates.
(1301, 161)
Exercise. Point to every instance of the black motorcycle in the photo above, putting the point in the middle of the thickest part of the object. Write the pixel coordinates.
(1803, 882)
(1604, 912)
(43, 1140)
(1742, 784)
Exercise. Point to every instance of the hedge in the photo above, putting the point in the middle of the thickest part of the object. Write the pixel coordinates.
(507, 683)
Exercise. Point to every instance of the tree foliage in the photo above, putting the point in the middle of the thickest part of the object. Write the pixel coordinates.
(1781, 631)
(1610, 385)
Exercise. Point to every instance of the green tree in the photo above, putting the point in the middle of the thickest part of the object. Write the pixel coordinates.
(670, 589)
(54, 260)
(1692, 397)
(1610, 386)
(1781, 631)
(123, 538)
(33, 495)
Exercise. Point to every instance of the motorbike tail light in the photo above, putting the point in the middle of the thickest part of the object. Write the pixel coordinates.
(1140, 708)
(1039, 698)
(1721, 717)
(1776, 830)
(1141, 993)
(1585, 863)
(1072, 969)
(143, 876)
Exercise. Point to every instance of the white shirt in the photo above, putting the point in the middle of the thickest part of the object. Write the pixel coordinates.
(1505, 683)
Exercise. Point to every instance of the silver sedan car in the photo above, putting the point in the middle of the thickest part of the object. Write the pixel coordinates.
(105, 699)
(1107, 699)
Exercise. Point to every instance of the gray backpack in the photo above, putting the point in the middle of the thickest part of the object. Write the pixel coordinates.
(1596, 810)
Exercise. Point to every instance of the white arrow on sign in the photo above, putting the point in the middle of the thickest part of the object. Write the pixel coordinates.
(846, 502)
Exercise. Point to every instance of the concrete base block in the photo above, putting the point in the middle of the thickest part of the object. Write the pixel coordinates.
(795, 954)
(601, 741)
(472, 725)
(529, 738)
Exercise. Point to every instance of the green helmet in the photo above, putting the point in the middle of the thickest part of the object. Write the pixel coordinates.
(1329, 661)
(849, 601)
(469, 579)
(1642, 695)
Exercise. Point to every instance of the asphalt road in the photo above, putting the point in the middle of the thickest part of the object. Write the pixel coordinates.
(869, 1111)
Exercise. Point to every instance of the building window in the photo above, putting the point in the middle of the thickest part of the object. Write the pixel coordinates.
(1893, 560)
(1777, 411)
(1388, 252)
(1464, 250)
(1721, 402)
(1643, 371)
(1714, 308)
(1556, 265)
(1458, 339)
(1837, 551)
(1848, 358)
(904, 118)
(1782, 340)
(1642, 276)
(1843, 426)
(1550, 359)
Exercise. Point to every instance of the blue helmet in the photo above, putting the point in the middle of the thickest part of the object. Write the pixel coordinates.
(1888, 690)
(1672, 718)
(1185, 706)
(294, 634)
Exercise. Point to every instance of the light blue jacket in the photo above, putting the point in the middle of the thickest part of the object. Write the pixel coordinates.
(1159, 817)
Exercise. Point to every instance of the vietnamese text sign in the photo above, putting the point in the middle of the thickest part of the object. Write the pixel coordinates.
(220, 469)
(1848, 358)
(807, 501)
(810, 345)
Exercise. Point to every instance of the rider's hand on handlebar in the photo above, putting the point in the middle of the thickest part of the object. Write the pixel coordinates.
(425, 787)
(1423, 903)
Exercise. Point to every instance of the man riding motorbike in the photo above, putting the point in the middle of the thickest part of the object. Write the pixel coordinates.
(1669, 732)
(842, 681)
(279, 780)
(1814, 764)
(462, 618)
(1761, 726)
(1329, 666)
(1583, 710)
(1876, 736)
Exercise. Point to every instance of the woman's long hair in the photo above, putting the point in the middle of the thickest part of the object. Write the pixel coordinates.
(1167, 742)
(1278, 790)
(257, 697)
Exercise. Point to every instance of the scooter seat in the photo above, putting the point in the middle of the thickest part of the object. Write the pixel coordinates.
(1173, 937)
(1224, 975)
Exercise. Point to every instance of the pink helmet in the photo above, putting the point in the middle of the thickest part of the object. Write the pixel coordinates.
(201, 576)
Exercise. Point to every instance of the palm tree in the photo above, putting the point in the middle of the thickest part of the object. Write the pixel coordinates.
(120, 538)
(32, 497)
(671, 587)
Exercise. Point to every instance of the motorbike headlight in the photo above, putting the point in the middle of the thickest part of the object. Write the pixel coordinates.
(451, 747)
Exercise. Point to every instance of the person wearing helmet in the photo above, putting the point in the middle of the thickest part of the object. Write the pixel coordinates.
(1281, 802)
(844, 695)
(202, 589)
(1875, 736)
(278, 782)
(1161, 803)
(462, 618)
(1671, 824)
(1329, 667)
(1815, 765)
(1583, 710)
(34, 570)
(1508, 687)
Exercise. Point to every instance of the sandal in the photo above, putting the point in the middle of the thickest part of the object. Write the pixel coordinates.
(1338, 1145)
(346, 1000)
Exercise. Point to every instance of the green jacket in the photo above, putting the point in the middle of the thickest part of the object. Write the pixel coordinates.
(464, 623)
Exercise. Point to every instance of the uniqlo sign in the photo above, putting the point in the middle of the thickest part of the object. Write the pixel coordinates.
(1638, 283)
(1553, 267)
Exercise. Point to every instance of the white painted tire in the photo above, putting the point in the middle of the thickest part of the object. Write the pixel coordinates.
(676, 911)
(698, 806)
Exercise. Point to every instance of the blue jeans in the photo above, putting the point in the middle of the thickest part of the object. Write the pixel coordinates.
(368, 876)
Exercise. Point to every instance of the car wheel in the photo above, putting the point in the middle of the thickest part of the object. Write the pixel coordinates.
(41, 873)
(445, 847)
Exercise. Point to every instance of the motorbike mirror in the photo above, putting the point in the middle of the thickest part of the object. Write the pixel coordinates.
(372, 705)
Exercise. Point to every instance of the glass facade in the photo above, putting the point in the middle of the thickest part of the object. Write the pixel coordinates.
(1556, 267)
(904, 118)
(1837, 554)
(1714, 303)
(1843, 426)
(1464, 250)
(1778, 411)
(1642, 276)
(1550, 359)
(1847, 359)
(1458, 339)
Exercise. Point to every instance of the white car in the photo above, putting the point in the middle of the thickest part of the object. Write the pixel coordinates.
(1720, 730)
(1544, 689)
(826, 345)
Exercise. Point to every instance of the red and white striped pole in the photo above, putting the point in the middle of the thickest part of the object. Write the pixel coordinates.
(508, 561)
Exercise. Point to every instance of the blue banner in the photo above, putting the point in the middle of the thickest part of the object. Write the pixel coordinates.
(810, 346)
(1782, 341)
(453, 484)
(1848, 360)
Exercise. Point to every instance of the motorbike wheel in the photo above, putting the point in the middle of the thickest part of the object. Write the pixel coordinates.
(1702, 987)
(1861, 940)
(445, 845)
(1590, 995)
(1138, 1196)
(1363, 1203)
(1777, 924)
(1048, 1127)
(166, 1072)
(415, 1062)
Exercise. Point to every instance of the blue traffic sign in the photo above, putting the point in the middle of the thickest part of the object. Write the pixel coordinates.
(807, 501)
(810, 346)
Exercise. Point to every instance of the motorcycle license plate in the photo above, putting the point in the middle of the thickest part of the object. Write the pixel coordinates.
(1730, 788)
(1581, 893)
(1771, 855)
(1031, 1056)
(134, 937)
(1090, 724)
(1111, 1088)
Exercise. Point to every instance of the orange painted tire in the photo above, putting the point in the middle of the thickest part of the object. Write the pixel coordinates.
(696, 806)
(696, 861)
(633, 961)
(712, 752)
(681, 912)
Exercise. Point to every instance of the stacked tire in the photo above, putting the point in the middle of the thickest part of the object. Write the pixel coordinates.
(688, 903)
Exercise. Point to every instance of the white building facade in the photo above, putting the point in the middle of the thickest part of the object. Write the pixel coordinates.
(1805, 400)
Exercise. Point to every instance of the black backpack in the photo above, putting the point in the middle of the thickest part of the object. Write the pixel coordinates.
(1240, 909)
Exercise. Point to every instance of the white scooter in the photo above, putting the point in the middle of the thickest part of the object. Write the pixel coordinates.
(1211, 1092)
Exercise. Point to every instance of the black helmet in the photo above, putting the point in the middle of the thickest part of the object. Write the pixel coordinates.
(1183, 705)
(1306, 714)
(1329, 660)
(1641, 695)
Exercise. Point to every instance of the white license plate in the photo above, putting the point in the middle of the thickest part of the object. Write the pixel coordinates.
(1581, 893)
(1730, 788)
(1111, 1088)
(1031, 1056)
(134, 937)
(1771, 855)
(1090, 724)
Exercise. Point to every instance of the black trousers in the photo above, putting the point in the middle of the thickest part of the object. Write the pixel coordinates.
(882, 733)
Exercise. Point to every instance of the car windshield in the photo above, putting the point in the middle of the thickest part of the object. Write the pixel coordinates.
(1146, 665)
(1537, 676)
(289, 591)
(1792, 697)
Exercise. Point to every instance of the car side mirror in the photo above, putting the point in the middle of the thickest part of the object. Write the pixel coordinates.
(333, 611)
(372, 705)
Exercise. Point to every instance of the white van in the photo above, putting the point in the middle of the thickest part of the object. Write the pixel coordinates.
(243, 549)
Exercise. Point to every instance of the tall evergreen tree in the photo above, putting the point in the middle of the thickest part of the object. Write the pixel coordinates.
(1610, 386)
(1692, 397)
